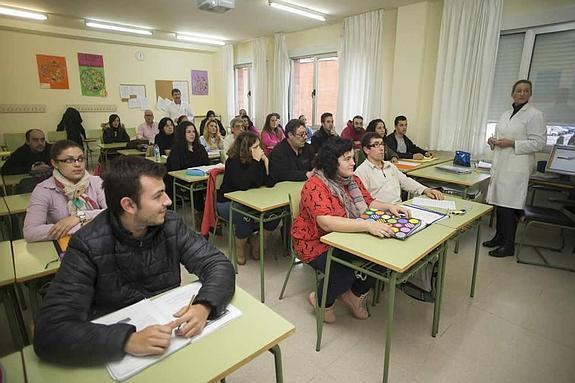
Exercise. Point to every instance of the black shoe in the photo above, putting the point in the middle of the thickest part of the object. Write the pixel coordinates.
(502, 252)
(493, 242)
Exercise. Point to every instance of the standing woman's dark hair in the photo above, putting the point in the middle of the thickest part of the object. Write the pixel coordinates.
(71, 123)
(329, 153)
(522, 82)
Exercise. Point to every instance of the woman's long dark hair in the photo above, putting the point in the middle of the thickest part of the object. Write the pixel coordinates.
(180, 143)
(163, 122)
(112, 118)
(241, 147)
(373, 123)
(329, 153)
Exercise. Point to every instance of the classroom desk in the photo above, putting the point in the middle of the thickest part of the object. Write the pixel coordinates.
(162, 160)
(11, 180)
(8, 294)
(131, 152)
(105, 148)
(268, 204)
(5, 154)
(17, 203)
(462, 223)
(5, 220)
(13, 368)
(440, 157)
(468, 181)
(211, 359)
(190, 183)
(400, 258)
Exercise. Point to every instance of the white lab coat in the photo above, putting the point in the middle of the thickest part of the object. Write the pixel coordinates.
(512, 166)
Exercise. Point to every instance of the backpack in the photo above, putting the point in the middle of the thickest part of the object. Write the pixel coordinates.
(422, 285)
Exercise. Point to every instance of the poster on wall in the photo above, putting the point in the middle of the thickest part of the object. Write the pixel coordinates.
(200, 82)
(52, 72)
(92, 80)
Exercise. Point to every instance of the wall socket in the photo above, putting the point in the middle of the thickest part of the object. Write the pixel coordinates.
(93, 107)
(22, 108)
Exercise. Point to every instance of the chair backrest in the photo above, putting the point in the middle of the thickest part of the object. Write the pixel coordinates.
(94, 133)
(294, 199)
(54, 136)
(13, 141)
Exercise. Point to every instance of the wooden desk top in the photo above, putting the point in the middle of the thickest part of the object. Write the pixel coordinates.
(32, 260)
(13, 179)
(113, 145)
(13, 367)
(208, 360)
(397, 255)
(17, 203)
(467, 180)
(131, 152)
(6, 264)
(181, 175)
(3, 208)
(265, 199)
(439, 156)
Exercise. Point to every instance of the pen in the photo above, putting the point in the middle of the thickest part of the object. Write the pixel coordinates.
(189, 305)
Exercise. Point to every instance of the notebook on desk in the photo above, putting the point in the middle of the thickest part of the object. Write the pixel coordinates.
(159, 311)
(454, 169)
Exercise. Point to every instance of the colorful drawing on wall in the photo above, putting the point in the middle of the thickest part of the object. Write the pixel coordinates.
(92, 80)
(52, 72)
(200, 82)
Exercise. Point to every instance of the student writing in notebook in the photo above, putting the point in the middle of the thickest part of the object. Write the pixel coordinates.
(131, 251)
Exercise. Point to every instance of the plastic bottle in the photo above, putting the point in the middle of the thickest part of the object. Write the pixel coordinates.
(156, 153)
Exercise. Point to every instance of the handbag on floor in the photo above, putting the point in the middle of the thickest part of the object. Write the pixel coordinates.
(422, 285)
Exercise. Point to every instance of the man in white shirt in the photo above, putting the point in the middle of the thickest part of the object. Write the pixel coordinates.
(178, 108)
(237, 126)
(148, 129)
(382, 179)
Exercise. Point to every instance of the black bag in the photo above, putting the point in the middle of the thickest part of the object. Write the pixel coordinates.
(423, 284)
(141, 145)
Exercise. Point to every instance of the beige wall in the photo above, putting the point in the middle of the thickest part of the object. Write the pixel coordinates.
(19, 82)
(529, 13)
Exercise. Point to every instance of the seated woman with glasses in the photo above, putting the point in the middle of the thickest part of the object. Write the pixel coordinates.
(66, 201)
(331, 200)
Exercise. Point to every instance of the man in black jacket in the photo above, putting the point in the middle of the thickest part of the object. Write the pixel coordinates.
(401, 144)
(32, 157)
(291, 159)
(130, 252)
(325, 131)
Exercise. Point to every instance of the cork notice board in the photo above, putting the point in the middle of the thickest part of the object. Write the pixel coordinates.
(164, 89)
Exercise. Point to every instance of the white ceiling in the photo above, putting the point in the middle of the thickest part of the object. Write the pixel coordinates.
(249, 19)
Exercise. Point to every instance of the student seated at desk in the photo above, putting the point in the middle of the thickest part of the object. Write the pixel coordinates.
(250, 127)
(290, 160)
(354, 131)
(272, 133)
(211, 116)
(148, 129)
(332, 200)
(131, 251)
(382, 179)
(32, 157)
(63, 203)
(378, 126)
(211, 139)
(401, 144)
(236, 126)
(186, 153)
(114, 131)
(247, 167)
(165, 137)
(325, 131)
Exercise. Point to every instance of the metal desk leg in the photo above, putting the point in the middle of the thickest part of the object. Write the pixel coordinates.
(475, 260)
(231, 247)
(261, 234)
(278, 363)
(193, 214)
(319, 318)
(14, 316)
(389, 325)
(440, 280)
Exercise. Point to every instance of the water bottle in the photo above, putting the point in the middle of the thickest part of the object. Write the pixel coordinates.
(156, 153)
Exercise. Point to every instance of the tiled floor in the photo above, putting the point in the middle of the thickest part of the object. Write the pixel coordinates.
(520, 327)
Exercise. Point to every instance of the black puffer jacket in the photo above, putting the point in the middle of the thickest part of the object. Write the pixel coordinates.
(105, 269)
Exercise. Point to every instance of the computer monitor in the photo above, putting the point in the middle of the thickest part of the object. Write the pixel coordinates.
(561, 160)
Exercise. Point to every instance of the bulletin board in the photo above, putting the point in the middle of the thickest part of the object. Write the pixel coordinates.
(164, 89)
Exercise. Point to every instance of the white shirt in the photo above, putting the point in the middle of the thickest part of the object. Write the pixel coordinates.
(385, 184)
(176, 110)
(401, 147)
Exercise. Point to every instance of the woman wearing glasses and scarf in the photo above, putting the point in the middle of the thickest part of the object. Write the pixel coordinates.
(331, 200)
(64, 202)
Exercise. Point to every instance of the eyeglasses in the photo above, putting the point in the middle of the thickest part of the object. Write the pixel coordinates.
(375, 145)
(300, 135)
(72, 160)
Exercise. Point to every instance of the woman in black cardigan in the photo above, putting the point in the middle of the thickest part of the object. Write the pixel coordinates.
(165, 137)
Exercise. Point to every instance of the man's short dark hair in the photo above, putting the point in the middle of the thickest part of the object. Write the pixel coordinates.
(399, 118)
(175, 90)
(292, 126)
(325, 115)
(122, 179)
(329, 153)
(28, 132)
(357, 117)
(367, 137)
(522, 82)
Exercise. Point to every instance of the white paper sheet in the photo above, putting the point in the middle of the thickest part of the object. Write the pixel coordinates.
(434, 203)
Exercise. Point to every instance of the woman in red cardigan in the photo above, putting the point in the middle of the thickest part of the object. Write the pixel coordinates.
(332, 200)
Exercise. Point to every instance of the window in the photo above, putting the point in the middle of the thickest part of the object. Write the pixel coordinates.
(313, 87)
(243, 86)
(546, 56)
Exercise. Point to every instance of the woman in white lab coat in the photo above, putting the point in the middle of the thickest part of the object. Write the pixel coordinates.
(519, 134)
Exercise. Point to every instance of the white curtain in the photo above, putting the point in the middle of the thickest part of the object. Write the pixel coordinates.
(360, 68)
(280, 78)
(465, 69)
(228, 65)
(260, 66)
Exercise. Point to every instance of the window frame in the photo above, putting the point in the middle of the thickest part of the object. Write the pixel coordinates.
(249, 67)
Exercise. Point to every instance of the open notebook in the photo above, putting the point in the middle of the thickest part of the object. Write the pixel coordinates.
(159, 311)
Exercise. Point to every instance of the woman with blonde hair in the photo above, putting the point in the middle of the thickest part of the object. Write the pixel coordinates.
(212, 139)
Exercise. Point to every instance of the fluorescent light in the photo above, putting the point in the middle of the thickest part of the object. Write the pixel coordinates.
(198, 39)
(297, 11)
(22, 13)
(118, 28)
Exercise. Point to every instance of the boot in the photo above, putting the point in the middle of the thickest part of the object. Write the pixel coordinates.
(508, 246)
(254, 244)
(499, 238)
(241, 245)
(496, 241)
(357, 305)
(329, 312)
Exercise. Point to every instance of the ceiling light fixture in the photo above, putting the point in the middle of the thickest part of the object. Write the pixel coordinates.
(199, 39)
(298, 11)
(22, 13)
(118, 28)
